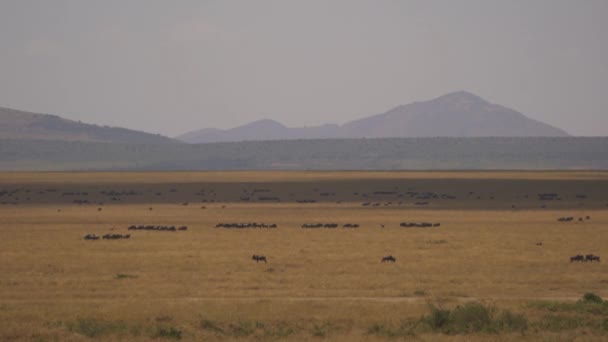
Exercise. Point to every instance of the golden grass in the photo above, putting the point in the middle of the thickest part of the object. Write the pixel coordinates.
(318, 282)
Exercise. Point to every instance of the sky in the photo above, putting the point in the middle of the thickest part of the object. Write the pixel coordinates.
(174, 66)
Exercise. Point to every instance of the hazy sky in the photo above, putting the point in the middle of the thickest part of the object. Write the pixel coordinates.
(173, 66)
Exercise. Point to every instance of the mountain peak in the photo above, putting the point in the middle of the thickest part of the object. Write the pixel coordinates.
(457, 114)
(460, 96)
(266, 123)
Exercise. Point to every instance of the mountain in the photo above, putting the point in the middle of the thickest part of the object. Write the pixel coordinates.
(21, 125)
(264, 129)
(458, 114)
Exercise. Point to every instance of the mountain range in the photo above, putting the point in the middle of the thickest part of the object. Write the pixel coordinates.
(458, 114)
(21, 125)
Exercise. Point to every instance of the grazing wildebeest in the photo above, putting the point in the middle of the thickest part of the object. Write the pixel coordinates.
(91, 237)
(389, 258)
(577, 258)
(115, 236)
(259, 258)
(592, 258)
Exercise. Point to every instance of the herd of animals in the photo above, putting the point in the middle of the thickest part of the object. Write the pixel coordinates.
(585, 258)
(107, 236)
(161, 228)
(571, 218)
(378, 198)
(258, 258)
(246, 225)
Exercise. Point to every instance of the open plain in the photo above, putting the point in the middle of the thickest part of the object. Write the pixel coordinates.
(495, 240)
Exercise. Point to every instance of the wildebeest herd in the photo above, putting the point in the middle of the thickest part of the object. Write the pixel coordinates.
(91, 237)
(585, 258)
(329, 225)
(259, 258)
(134, 227)
(158, 228)
(419, 225)
(107, 236)
(571, 218)
(246, 225)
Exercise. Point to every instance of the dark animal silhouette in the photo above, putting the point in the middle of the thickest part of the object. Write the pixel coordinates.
(115, 236)
(389, 258)
(259, 258)
(577, 258)
(592, 258)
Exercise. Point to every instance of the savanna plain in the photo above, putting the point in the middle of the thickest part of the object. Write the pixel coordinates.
(495, 264)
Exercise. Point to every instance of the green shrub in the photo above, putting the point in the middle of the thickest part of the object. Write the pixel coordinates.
(591, 298)
(438, 319)
(404, 330)
(558, 323)
(211, 326)
(91, 327)
(322, 330)
(280, 331)
(605, 324)
(589, 304)
(473, 317)
(244, 329)
(509, 321)
(168, 332)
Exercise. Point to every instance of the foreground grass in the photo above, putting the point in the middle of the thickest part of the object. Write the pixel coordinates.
(473, 321)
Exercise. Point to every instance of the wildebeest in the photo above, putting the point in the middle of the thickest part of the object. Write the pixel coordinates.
(116, 236)
(246, 225)
(389, 258)
(91, 237)
(419, 225)
(577, 258)
(157, 228)
(322, 225)
(592, 258)
(259, 258)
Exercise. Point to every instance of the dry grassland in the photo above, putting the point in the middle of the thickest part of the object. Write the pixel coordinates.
(201, 284)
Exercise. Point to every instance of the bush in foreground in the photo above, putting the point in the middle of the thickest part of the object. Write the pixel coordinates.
(474, 317)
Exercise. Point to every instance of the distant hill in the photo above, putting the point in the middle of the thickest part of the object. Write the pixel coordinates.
(459, 114)
(21, 125)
